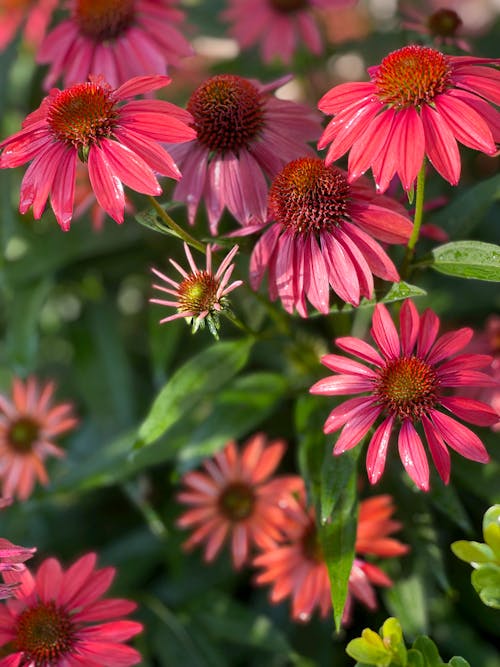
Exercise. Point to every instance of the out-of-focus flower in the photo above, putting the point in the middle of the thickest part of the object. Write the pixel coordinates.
(201, 295)
(119, 145)
(407, 388)
(243, 134)
(322, 236)
(59, 618)
(418, 103)
(32, 16)
(29, 422)
(297, 568)
(118, 39)
(280, 26)
(443, 26)
(235, 499)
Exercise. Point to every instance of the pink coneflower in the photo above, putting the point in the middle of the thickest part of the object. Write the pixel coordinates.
(443, 25)
(406, 388)
(12, 558)
(29, 422)
(60, 619)
(234, 499)
(33, 16)
(297, 568)
(244, 133)
(119, 144)
(278, 25)
(419, 102)
(322, 237)
(201, 295)
(118, 39)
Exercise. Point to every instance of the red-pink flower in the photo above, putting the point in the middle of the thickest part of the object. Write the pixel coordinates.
(406, 384)
(60, 619)
(234, 499)
(418, 102)
(244, 135)
(441, 25)
(29, 422)
(118, 143)
(32, 16)
(118, 39)
(12, 558)
(322, 237)
(297, 568)
(278, 25)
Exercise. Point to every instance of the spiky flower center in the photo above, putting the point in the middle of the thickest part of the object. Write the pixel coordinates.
(288, 6)
(311, 546)
(412, 76)
(22, 433)
(103, 20)
(237, 501)
(45, 633)
(198, 293)
(228, 113)
(307, 196)
(407, 387)
(444, 23)
(82, 115)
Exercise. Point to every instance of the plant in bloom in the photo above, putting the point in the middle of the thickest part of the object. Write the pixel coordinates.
(12, 558)
(117, 143)
(235, 500)
(322, 236)
(60, 619)
(405, 384)
(418, 103)
(278, 25)
(118, 39)
(442, 25)
(201, 295)
(29, 422)
(297, 568)
(243, 135)
(33, 16)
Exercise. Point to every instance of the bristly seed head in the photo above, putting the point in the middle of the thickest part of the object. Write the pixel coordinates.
(407, 388)
(45, 633)
(289, 6)
(412, 76)
(237, 501)
(198, 293)
(103, 20)
(307, 196)
(22, 434)
(228, 113)
(444, 23)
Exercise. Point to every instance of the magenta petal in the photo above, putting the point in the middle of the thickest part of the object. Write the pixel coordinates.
(470, 410)
(315, 276)
(377, 450)
(259, 261)
(409, 324)
(299, 276)
(341, 96)
(412, 454)
(141, 84)
(466, 124)
(341, 364)
(384, 332)
(441, 145)
(344, 412)
(360, 349)
(368, 146)
(459, 437)
(382, 223)
(63, 190)
(377, 259)
(130, 168)
(284, 270)
(429, 327)
(449, 344)
(439, 452)
(410, 137)
(106, 184)
(341, 272)
(341, 384)
(363, 272)
(356, 428)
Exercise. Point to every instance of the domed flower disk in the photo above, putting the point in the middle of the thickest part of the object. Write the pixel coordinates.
(117, 142)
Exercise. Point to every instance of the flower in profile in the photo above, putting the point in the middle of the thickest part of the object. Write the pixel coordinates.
(406, 388)
(118, 144)
(297, 568)
(443, 26)
(29, 422)
(32, 16)
(234, 499)
(201, 295)
(12, 558)
(243, 134)
(60, 619)
(418, 102)
(278, 25)
(322, 237)
(119, 39)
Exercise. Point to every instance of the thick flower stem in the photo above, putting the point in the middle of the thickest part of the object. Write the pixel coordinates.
(417, 223)
(177, 229)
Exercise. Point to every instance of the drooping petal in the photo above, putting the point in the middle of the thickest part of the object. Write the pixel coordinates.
(377, 450)
(412, 454)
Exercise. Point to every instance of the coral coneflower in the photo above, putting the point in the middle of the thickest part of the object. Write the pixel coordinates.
(405, 384)
(118, 144)
(297, 568)
(234, 499)
(118, 39)
(60, 619)
(32, 16)
(243, 135)
(278, 25)
(419, 102)
(29, 422)
(201, 294)
(322, 237)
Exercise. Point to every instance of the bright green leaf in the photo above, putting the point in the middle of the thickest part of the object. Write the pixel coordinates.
(468, 259)
(458, 661)
(487, 576)
(472, 552)
(492, 538)
(415, 659)
(361, 650)
(429, 651)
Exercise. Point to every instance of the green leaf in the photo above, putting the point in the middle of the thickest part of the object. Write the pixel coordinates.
(447, 501)
(407, 601)
(491, 529)
(429, 651)
(151, 220)
(491, 516)
(472, 552)
(397, 292)
(468, 259)
(486, 581)
(415, 659)
(392, 633)
(458, 661)
(367, 649)
(203, 374)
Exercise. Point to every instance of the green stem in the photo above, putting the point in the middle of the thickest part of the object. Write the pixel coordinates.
(417, 222)
(177, 229)
(238, 323)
